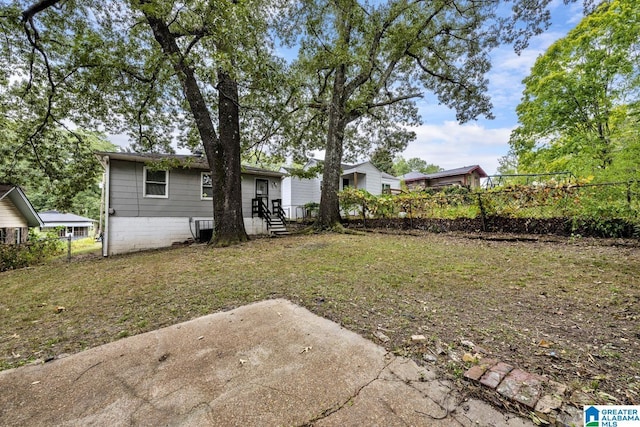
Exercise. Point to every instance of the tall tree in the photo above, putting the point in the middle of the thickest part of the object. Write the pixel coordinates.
(156, 69)
(371, 59)
(576, 95)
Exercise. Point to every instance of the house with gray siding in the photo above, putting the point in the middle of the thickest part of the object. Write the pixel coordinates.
(299, 192)
(156, 200)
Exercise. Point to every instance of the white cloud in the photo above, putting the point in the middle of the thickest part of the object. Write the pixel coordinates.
(452, 145)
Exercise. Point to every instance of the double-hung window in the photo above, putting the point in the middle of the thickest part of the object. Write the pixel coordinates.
(156, 183)
(206, 188)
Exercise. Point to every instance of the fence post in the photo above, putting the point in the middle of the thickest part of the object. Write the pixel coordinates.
(69, 235)
(482, 212)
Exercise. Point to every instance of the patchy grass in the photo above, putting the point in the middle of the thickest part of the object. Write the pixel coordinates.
(566, 309)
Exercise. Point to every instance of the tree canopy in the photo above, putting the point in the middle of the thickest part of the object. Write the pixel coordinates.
(403, 166)
(578, 107)
(364, 63)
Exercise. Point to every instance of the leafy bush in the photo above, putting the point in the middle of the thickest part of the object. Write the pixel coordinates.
(36, 250)
(605, 209)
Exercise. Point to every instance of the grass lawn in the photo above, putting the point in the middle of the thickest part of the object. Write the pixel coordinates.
(566, 309)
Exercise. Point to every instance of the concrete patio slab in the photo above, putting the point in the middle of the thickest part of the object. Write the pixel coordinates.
(271, 363)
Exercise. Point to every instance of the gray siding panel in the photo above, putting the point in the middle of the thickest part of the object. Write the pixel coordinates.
(249, 191)
(126, 188)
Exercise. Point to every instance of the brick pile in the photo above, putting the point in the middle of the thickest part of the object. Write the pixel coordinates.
(539, 395)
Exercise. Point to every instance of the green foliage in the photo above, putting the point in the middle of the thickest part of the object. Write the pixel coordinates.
(308, 173)
(578, 103)
(606, 210)
(59, 171)
(402, 166)
(36, 250)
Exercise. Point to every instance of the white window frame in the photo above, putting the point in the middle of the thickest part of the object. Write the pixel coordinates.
(202, 194)
(144, 184)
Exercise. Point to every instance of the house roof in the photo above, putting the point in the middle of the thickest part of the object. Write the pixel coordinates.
(451, 172)
(388, 176)
(54, 218)
(20, 201)
(413, 175)
(185, 160)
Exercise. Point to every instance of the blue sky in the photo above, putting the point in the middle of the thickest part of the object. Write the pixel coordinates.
(442, 141)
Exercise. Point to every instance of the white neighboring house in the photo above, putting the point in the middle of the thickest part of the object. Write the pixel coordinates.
(146, 207)
(67, 224)
(299, 192)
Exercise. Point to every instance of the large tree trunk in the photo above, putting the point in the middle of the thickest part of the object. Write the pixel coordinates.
(329, 212)
(222, 153)
(224, 159)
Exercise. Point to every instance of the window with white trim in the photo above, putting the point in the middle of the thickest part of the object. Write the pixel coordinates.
(156, 183)
(206, 187)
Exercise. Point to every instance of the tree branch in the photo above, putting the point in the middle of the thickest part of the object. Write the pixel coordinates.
(32, 11)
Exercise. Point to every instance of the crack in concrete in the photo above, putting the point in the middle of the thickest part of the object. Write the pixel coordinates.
(87, 370)
(441, 405)
(330, 411)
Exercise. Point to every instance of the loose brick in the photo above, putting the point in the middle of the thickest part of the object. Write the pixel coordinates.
(495, 374)
(522, 387)
(548, 404)
(475, 372)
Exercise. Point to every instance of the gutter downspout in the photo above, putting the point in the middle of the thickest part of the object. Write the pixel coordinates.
(105, 188)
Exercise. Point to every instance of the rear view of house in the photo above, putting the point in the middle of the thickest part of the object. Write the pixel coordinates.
(155, 200)
(16, 215)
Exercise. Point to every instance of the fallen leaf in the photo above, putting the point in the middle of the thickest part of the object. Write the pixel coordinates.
(607, 396)
(35, 382)
(468, 357)
(537, 420)
(545, 344)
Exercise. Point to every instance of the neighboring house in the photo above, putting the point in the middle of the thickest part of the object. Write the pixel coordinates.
(16, 215)
(300, 192)
(468, 176)
(148, 208)
(66, 224)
